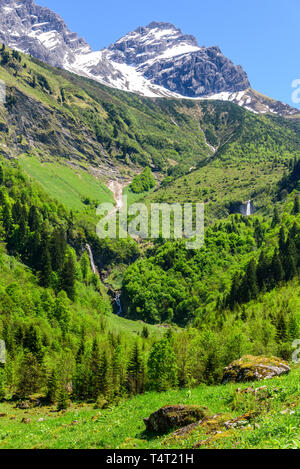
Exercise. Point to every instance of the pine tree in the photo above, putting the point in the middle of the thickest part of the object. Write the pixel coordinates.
(105, 378)
(81, 348)
(282, 243)
(52, 388)
(95, 372)
(289, 259)
(1, 175)
(281, 327)
(33, 343)
(262, 271)
(85, 264)
(276, 219)
(296, 208)
(249, 288)
(145, 332)
(2, 383)
(234, 291)
(46, 268)
(68, 277)
(63, 399)
(30, 376)
(277, 269)
(118, 370)
(293, 328)
(58, 248)
(33, 218)
(135, 372)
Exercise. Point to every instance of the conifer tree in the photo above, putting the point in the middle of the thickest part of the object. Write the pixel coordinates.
(68, 277)
(276, 219)
(95, 371)
(33, 218)
(33, 342)
(63, 399)
(118, 370)
(46, 268)
(281, 327)
(1, 175)
(30, 376)
(249, 288)
(276, 268)
(2, 383)
(105, 378)
(58, 248)
(135, 372)
(296, 209)
(52, 388)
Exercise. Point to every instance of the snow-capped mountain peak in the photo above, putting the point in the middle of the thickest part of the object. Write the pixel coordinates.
(156, 60)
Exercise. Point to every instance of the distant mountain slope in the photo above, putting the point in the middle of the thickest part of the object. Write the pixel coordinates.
(157, 60)
(52, 113)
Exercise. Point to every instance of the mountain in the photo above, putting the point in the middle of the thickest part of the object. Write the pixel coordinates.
(154, 61)
(73, 134)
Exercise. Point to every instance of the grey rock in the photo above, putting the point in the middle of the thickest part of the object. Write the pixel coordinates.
(156, 60)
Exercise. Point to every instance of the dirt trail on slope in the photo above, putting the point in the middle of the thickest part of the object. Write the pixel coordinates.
(117, 189)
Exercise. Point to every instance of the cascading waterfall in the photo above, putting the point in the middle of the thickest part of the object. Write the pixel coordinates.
(119, 305)
(91, 257)
(248, 209)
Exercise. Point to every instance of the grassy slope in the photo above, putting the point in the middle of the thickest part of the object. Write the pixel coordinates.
(219, 185)
(276, 425)
(67, 185)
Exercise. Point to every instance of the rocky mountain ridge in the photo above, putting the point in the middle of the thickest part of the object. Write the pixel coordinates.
(155, 61)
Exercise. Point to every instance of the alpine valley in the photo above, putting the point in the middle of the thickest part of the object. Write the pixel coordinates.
(141, 343)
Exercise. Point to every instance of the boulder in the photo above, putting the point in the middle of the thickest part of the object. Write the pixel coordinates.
(176, 416)
(250, 368)
(23, 405)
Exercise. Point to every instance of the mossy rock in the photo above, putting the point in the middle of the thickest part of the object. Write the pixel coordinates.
(176, 416)
(251, 368)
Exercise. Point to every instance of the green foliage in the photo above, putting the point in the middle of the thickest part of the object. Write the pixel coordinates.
(143, 182)
(162, 368)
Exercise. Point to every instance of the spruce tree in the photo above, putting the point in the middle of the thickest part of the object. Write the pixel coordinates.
(2, 383)
(46, 268)
(276, 269)
(296, 209)
(1, 175)
(105, 378)
(68, 277)
(63, 399)
(135, 372)
(276, 219)
(30, 376)
(95, 372)
(52, 388)
(58, 248)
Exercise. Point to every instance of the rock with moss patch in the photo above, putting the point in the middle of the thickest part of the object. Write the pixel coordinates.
(250, 368)
(176, 416)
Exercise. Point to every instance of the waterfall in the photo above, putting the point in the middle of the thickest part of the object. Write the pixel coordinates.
(248, 209)
(119, 305)
(93, 266)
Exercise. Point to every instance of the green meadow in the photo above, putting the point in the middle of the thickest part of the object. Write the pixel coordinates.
(275, 422)
(73, 187)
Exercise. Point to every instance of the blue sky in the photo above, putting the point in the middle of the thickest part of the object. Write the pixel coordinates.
(260, 35)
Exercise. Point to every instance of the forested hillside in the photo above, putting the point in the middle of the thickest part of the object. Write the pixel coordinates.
(187, 314)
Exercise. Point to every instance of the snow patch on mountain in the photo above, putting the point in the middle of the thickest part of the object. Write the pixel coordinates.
(155, 61)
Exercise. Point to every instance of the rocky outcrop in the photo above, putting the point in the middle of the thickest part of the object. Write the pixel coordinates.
(176, 416)
(175, 61)
(250, 368)
(38, 31)
(156, 61)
